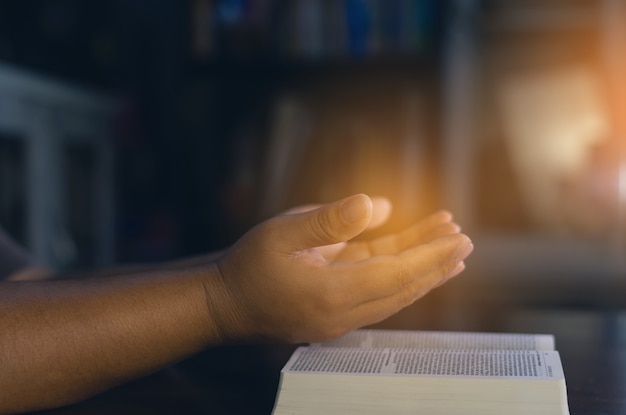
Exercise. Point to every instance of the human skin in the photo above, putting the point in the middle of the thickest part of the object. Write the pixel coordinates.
(293, 278)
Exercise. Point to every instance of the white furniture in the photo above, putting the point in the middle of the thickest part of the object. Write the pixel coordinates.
(65, 136)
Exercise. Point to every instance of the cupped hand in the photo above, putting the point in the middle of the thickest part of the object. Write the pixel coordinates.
(438, 224)
(279, 285)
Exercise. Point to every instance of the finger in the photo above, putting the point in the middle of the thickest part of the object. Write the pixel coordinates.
(381, 211)
(426, 230)
(301, 209)
(439, 231)
(326, 225)
(460, 267)
(380, 309)
(358, 251)
(435, 225)
(387, 275)
(377, 310)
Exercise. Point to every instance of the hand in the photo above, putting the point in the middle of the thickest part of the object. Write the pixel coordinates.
(434, 226)
(381, 210)
(278, 285)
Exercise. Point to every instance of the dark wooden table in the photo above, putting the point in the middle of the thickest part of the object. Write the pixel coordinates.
(592, 345)
(244, 379)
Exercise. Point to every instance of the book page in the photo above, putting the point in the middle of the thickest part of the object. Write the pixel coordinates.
(443, 340)
(427, 362)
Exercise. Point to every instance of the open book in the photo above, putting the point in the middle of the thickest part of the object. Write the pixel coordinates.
(425, 372)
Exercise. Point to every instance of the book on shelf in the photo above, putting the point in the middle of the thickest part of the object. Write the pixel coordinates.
(312, 29)
(425, 372)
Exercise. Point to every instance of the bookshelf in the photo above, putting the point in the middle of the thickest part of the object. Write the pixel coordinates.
(376, 63)
(311, 30)
(205, 78)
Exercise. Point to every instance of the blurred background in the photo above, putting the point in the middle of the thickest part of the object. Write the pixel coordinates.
(136, 131)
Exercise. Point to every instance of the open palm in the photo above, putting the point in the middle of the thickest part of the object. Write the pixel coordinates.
(436, 225)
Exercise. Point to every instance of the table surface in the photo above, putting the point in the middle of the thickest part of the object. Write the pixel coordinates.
(244, 379)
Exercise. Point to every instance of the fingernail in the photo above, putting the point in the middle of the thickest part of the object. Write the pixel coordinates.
(464, 248)
(355, 208)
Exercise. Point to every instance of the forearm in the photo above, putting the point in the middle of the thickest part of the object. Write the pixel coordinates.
(62, 341)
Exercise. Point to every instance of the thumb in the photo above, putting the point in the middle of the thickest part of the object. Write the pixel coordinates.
(329, 224)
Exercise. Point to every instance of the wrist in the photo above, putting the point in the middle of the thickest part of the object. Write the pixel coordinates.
(224, 314)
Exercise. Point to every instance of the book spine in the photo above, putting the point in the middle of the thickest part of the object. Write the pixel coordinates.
(310, 29)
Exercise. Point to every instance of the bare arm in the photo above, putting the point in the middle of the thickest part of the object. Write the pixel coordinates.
(62, 341)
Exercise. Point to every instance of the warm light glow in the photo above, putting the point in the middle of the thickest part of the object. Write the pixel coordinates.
(340, 141)
(555, 122)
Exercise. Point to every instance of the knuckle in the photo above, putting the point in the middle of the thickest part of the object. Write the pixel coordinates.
(410, 286)
(402, 275)
(446, 270)
(442, 261)
(409, 295)
(321, 225)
